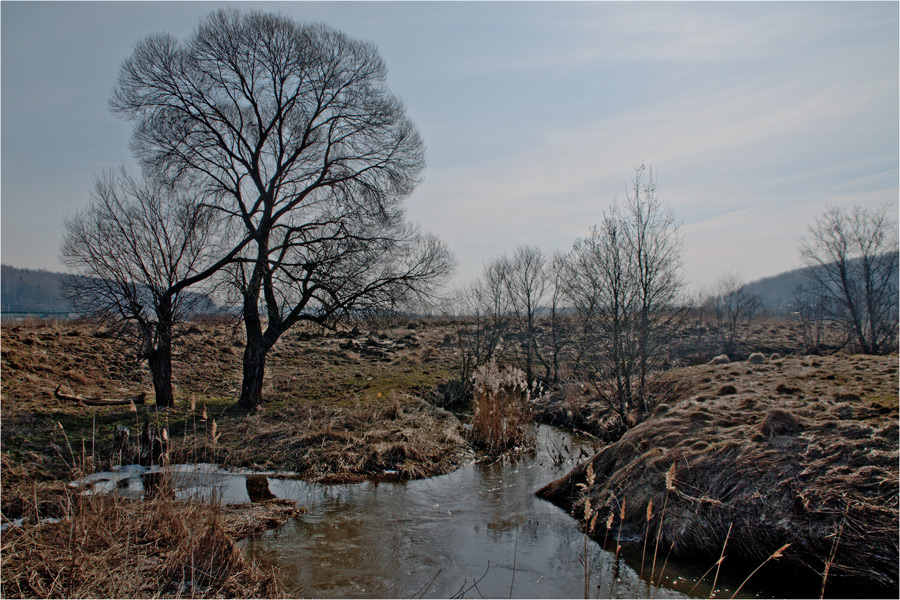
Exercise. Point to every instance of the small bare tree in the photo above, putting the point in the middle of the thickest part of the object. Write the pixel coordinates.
(852, 255)
(733, 308)
(482, 324)
(623, 282)
(556, 340)
(135, 250)
(526, 286)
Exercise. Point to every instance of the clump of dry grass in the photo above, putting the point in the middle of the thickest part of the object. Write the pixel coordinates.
(502, 418)
(108, 546)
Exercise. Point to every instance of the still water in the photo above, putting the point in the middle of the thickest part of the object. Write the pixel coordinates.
(476, 532)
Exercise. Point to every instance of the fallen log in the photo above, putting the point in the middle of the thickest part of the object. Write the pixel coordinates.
(139, 399)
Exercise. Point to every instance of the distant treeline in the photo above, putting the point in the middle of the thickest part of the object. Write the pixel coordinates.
(778, 294)
(31, 291)
(40, 291)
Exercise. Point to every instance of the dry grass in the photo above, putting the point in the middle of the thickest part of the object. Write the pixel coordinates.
(502, 418)
(403, 435)
(107, 546)
(783, 468)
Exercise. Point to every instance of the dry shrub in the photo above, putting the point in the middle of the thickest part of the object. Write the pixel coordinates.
(502, 418)
(106, 546)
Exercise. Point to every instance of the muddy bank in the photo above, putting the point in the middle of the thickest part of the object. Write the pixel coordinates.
(794, 450)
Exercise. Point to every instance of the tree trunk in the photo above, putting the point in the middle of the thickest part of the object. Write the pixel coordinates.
(159, 359)
(254, 370)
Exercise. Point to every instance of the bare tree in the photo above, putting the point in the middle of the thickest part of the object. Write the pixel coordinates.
(556, 339)
(291, 128)
(483, 322)
(135, 250)
(733, 309)
(623, 282)
(601, 288)
(852, 255)
(526, 285)
(653, 244)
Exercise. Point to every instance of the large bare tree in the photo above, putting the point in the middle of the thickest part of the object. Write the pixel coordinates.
(292, 130)
(852, 259)
(135, 250)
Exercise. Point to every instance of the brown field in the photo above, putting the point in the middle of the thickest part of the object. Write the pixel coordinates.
(792, 450)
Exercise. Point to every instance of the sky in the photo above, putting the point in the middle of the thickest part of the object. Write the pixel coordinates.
(753, 116)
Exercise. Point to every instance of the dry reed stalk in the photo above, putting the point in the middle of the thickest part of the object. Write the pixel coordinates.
(773, 556)
(590, 520)
(670, 486)
(646, 532)
(834, 547)
(719, 562)
(502, 417)
(662, 571)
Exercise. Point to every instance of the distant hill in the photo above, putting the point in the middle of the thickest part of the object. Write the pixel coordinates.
(778, 293)
(31, 291)
(36, 291)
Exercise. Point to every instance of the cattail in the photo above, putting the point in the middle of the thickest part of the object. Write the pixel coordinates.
(203, 416)
(622, 511)
(670, 478)
(649, 510)
(609, 520)
(193, 403)
(214, 435)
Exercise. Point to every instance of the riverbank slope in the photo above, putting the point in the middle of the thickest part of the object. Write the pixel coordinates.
(796, 450)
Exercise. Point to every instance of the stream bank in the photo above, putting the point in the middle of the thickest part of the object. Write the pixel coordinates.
(796, 450)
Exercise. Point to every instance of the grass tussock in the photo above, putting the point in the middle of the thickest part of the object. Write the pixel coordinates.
(402, 435)
(764, 469)
(106, 546)
(502, 418)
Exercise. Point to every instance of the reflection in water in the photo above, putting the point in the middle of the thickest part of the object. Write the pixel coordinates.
(258, 488)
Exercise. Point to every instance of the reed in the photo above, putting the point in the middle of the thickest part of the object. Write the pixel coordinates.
(502, 418)
(670, 487)
(834, 547)
(777, 554)
(719, 562)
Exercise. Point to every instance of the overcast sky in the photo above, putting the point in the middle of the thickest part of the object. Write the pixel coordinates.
(753, 116)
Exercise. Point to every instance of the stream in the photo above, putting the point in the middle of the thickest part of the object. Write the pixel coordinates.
(476, 532)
